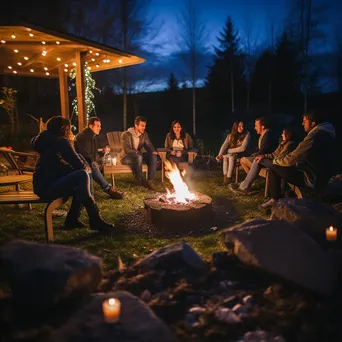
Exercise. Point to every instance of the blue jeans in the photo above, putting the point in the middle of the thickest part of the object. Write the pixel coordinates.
(135, 161)
(99, 179)
(75, 184)
(254, 172)
(228, 165)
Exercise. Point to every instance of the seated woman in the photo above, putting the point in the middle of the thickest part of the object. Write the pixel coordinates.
(235, 146)
(178, 143)
(60, 172)
(286, 145)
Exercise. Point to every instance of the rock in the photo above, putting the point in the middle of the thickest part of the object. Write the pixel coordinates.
(226, 315)
(176, 256)
(238, 309)
(248, 301)
(231, 301)
(282, 249)
(312, 217)
(137, 323)
(145, 296)
(40, 275)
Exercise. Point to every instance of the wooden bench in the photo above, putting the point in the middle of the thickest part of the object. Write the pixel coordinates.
(28, 197)
(264, 173)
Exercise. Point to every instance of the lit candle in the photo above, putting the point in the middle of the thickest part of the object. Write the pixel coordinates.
(331, 233)
(114, 161)
(111, 310)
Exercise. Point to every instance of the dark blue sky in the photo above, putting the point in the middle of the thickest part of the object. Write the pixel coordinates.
(258, 14)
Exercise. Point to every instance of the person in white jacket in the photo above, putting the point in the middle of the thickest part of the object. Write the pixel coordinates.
(235, 146)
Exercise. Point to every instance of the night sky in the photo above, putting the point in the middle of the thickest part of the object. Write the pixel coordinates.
(164, 55)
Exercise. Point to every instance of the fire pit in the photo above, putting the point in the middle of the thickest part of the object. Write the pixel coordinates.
(178, 209)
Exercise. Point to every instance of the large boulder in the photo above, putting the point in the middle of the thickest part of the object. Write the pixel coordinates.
(313, 217)
(282, 249)
(40, 275)
(176, 256)
(137, 323)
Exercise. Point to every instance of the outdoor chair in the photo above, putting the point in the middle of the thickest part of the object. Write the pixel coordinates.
(114, 141)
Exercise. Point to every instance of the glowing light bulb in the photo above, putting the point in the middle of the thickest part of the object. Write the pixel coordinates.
(120, 61)
(90, 51)
(44, 53)
(45, 68)
(57, 42)
(93, 59)
(66, 65)
(97, 66)
(89, 68)
(9, 67)
(13, 36)
(31, 70)
(14, 72)
(47, 73)
(43, 42)
(19, 63)
(97, 54)
(16, 51)
(26, 58)
(3, 41)
(74, 64)
(66, 70)
(58, 59)
(31, 35)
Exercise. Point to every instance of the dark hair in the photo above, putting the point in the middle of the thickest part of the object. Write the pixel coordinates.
(172, 133)
(316, 116)
(289, 134)
(59, 126)
(235, 136)
(263, 122)
(138, 119)
(92, 120)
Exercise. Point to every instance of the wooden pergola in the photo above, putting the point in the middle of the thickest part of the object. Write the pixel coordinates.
(30, 50)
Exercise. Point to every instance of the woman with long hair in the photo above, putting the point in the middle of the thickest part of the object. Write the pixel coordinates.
(178, 143)
(60, 172)
(235, 146)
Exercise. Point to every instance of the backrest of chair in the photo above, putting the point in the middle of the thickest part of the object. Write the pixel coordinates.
(8, 155)
(114, 140)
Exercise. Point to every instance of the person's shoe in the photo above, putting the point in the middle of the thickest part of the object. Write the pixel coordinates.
(95, 220)
(246, 191)
(227, 180)
(233, 186)
(115, 194)
(149, 185)
(268, 204)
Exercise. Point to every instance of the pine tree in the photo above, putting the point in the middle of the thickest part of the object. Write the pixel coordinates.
(225, 78)
(172, 83)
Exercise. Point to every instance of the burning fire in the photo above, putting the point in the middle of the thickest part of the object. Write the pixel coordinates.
(181, 191)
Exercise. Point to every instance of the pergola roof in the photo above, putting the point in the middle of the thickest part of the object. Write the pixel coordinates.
(30, 50)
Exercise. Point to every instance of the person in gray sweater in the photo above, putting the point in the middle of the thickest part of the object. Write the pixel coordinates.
(138, 148)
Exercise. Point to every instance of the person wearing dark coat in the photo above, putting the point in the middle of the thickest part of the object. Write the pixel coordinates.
(60, 172)
(86, 145)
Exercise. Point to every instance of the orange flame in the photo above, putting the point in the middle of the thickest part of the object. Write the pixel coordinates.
(181, 191)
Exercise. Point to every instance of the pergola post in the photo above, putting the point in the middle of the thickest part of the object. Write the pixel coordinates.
(80, 91)
(63, 92)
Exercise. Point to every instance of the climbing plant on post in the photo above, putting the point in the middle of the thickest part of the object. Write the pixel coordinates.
(8, 101)
(90, 86)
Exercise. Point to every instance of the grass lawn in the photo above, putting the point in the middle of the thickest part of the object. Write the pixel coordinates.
(24, 224)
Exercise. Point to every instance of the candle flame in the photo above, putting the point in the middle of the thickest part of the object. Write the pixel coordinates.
(111, 301)
(331, 228)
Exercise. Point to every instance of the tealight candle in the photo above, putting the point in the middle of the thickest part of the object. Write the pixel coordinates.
(114, 161)
(331, 233)
(111, 310)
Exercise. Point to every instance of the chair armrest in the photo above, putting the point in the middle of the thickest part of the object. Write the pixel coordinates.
(162, 155)
(191, 157)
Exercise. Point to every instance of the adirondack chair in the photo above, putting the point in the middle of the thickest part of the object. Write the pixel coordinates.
(114, 140)
(182, 166)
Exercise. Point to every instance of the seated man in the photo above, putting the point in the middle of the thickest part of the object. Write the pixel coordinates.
(86, 146)
(265, 160)
(266, 143)
(134, 143)
(311, 163)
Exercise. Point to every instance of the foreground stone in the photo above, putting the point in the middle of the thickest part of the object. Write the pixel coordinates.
(281, 248)
(311, 216)
(176, 256)
(40, 275)
(137, 323)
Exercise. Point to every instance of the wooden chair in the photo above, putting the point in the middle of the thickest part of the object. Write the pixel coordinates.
(182, 166)
(114, 140)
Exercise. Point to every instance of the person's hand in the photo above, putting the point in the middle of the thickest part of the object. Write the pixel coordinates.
(178, 154)
(106, 149)
(155, 152)
(258, 159)
(173, 153)
(219, 157)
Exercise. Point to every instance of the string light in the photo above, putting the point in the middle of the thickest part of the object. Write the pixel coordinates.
(13, 36)
(93, 59)
(66, 65)
(3, 41)
(97, 54)
(31, 70)
(43, 42)
(90, 85)
(90, 51)
(14, 72)
(45, 68)
(66, 70)
(9, 67)
(47, 73)
(97, 66)
(57, 42)
(74, 64)
(16, 51)
(44, 53)
(58, 59)
(19, 63)
(26, 58)
(120, 61)
(31, 34)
